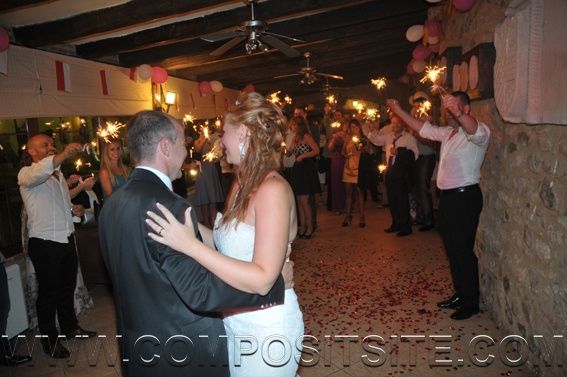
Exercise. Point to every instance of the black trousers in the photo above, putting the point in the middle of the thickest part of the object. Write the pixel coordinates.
(459, 213)
(423, 171)
(55, 267)
(398, 189)
(4, 310)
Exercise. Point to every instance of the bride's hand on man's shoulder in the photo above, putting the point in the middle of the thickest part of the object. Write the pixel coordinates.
(167, 230)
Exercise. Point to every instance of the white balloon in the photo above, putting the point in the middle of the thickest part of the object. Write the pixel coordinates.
(144, 72)
(216, 86)
(414, 33)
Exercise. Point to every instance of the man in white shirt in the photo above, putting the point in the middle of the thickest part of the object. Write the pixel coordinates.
(401, 153)
(463, 146)
(51, 245)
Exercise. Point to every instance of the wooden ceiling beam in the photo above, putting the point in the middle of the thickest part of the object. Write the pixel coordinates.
(342, 60)
(11, 5)
(195, 28)
(342, 22)
(135, 12)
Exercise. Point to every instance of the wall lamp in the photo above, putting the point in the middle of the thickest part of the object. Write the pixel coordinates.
(163, 101)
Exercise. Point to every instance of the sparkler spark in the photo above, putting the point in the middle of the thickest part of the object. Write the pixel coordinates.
(432, 73)
(288, 100)
(214, 155)
(336, 125)
(382, 168)
(372, 113)
(206, 132)
(111, 131)
(188, 118)
(78, 164)
(355, 139)
(274, 98)
(331, 99)
(423, 108)
(379, 83)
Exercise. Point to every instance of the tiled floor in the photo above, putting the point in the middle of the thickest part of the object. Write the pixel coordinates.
(352, 283)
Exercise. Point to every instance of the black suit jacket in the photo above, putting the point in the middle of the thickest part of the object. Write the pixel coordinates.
(161, 293)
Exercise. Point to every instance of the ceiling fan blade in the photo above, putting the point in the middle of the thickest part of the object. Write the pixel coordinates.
(336, 77)
(222, 36)
(290, 75)
(283, 36)
(274, 42)
(227, 46)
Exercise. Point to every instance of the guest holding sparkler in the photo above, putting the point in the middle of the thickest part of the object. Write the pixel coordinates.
(113, 172)
(401, 153)
(424, 167)
(304, 178)
(335, 146)
(51, 245)
(351, 152)
(463, 146)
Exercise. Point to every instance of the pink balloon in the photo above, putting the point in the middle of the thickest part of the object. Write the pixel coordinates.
(249, 88)
(463, 5)
(433, 27)
(205, 87)
(420, 52)
(4, 40)
(159, 75)
(435, 48)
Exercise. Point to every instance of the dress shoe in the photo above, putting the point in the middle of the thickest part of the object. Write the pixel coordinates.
(80, 333)
(392, 229)
(425, 228)
(452, 302)
(57, 351)
(403, 233)
(465, 312)
(14, 360)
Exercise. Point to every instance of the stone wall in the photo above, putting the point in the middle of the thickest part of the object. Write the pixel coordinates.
(522, 237)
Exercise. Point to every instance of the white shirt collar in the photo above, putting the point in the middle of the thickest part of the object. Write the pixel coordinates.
(164, 178)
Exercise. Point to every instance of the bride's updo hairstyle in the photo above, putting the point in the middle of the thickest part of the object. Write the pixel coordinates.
(266, 126)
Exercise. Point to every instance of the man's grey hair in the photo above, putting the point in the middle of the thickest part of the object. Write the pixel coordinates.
(145, 130)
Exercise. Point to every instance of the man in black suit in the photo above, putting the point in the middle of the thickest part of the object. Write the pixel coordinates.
(163, 297)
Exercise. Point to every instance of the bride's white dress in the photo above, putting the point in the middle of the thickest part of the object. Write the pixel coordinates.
(275, 332)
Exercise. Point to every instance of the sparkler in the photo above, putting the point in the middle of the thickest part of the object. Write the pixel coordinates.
(288, 99)
(355, 139)
(78, 164)
(206, 131)
(358, 105)
(111, 131)
(372, 114)
(218, 123)
(188, 118)
(215, 154)
(331, 99)
(382, 168)
(379, 83)
(336, 125)
(274, 98)
(432, 74)
(423, 108)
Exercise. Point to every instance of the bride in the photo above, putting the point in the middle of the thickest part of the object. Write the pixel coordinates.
(254, 238)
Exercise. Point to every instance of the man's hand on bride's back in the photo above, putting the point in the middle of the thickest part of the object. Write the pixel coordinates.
(167, 230)
(287, 273)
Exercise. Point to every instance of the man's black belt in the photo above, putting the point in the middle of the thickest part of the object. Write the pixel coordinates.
(461, 189)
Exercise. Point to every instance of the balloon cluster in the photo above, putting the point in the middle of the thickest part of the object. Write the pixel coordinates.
(157, 74)
(431, 34)
(207, 87)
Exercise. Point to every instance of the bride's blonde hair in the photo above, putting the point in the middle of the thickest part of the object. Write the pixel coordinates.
(266, 126)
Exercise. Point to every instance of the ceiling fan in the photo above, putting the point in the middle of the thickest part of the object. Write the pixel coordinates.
(257, 38)
(310, 74)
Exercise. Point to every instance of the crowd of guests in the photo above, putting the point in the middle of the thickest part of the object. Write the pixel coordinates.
(340, 150)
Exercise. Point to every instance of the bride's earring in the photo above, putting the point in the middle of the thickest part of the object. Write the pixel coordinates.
(241, 150)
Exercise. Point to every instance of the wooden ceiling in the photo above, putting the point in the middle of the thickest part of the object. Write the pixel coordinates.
(355, 39)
